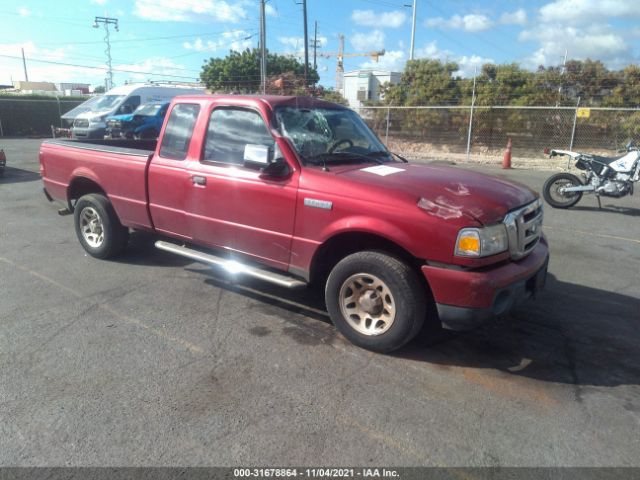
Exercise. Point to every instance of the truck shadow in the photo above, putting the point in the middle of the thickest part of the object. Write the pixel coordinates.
(18, 175)
(572, 334)
(141, 251)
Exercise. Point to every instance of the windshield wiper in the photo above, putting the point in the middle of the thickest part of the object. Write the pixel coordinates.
(388, 153)
(342, 156)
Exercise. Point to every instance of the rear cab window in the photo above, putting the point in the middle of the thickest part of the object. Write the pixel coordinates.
(179, 130)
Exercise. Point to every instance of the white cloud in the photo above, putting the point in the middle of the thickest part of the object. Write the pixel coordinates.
(11, 68)
(577, 11)
(470, 65)
(519, 17)
(190, 10)
(369, 18)
(158, 65)
(297, 43)
(365, 42)
(24, 12)
(99, 2)
(466, 63)
(393, 60)
(270, 11)
(237, 40)
(595, 41)
(472, 22)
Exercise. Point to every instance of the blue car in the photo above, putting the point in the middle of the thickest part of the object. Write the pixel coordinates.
(144, 122)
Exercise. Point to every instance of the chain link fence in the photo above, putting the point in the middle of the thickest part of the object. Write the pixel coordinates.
(483, 131)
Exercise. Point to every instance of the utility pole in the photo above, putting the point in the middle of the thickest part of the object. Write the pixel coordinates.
(564, 66)
(340, 65)
(106, 21)
(413, 30)
(263, 48)
(315, 44)
(306, 44)
(24, 64)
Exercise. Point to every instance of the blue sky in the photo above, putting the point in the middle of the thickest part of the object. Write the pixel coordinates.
(170, 39)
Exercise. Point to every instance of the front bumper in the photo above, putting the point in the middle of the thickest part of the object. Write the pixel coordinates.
(94, 133)
(467, 298)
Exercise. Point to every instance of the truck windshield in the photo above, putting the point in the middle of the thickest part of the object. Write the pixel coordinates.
(107, 102)
(148, 110)
(330, 135)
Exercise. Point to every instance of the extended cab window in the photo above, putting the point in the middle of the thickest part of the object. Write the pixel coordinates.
(177, 135)
(230, 130)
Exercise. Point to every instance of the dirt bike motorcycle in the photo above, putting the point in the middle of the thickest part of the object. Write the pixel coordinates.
(603, 176)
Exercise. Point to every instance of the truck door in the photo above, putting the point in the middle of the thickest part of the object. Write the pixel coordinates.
(169, 182)
(237, 207)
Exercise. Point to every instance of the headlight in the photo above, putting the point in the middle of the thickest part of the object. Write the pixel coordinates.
(482, 242)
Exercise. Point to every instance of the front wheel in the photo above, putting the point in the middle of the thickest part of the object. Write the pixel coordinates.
(376, 301)
(553, 193)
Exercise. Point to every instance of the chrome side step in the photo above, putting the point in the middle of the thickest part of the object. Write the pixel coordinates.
(232, 266)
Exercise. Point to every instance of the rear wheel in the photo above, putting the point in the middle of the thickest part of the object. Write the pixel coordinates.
(98, 228)
(553, 193)
(376, 301)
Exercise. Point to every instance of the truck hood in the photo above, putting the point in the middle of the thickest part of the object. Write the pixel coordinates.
(91, 114)
(445, 192)
(127, 117)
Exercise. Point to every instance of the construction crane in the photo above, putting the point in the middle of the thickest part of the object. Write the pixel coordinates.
(340, 55)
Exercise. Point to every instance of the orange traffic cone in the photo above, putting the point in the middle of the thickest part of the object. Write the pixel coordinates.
(506, 160)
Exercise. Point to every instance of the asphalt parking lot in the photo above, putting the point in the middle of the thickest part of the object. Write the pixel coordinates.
(154, 360)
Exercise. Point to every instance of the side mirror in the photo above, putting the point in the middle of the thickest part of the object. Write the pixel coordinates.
(270, 161)
(278, 168)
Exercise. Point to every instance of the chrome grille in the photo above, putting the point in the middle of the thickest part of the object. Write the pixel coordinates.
(524, 227)
(81, 123)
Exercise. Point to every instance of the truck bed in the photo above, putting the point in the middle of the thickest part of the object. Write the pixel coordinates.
(117, 166)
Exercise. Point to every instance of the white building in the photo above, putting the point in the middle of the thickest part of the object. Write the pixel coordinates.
(363, 85)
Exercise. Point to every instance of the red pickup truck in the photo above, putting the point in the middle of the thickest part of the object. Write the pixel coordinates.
(298, 191)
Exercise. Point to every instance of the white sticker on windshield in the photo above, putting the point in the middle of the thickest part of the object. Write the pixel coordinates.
(383, 170)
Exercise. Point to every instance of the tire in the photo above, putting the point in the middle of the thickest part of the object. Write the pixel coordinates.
(556, 199)
(390, 307)
(97, 227)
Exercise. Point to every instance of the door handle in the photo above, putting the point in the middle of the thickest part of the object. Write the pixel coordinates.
(198, 180)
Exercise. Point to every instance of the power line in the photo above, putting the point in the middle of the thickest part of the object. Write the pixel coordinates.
(92, 67)
(145, 39)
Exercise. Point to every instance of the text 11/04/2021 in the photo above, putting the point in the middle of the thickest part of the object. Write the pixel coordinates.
(316, 472)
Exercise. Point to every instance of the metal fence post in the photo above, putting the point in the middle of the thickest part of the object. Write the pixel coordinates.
(575, 121)
(1, 130)
(386, 132)
(469, 130)
(473, 101)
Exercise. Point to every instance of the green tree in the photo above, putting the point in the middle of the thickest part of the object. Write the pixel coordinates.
(240, 71)
(627, 92)
(425, 82)
(99, 89)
